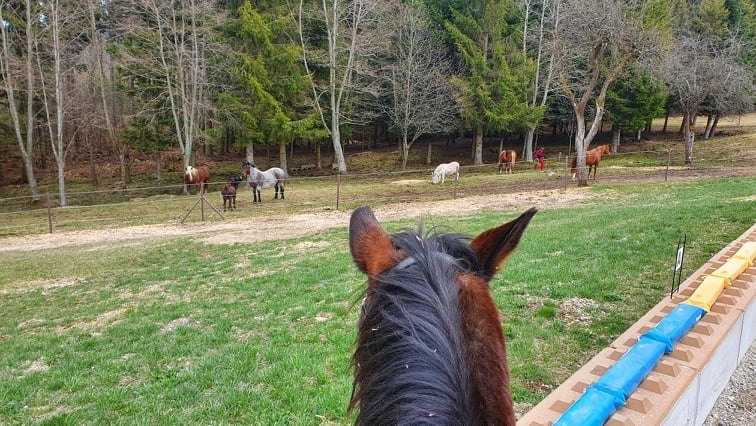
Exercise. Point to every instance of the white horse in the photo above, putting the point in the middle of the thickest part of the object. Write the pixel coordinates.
(274, 177)
(446, 169)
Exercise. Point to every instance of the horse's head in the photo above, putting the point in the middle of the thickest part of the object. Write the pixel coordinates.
(605, 149)
(190, 174)
(435, 177)
(236, 181)
(430, 341)
(247, 168)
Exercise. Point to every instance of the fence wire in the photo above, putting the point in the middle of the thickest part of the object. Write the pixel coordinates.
(163, 204)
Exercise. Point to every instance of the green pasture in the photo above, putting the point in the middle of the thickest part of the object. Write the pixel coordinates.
(182, 332)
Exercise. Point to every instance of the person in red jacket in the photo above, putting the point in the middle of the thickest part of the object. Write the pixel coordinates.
(539, 158)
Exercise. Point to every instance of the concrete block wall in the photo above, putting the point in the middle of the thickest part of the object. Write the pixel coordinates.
(685, 384)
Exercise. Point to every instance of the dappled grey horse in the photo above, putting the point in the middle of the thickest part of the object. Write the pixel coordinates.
(274, 177)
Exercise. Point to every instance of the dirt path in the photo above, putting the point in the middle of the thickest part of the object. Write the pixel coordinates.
(512, 198)
(293, 226)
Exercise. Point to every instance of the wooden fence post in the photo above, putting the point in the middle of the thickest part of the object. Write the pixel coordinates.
(338, 188)
(669, 159)
(202, 200)
(49, 212)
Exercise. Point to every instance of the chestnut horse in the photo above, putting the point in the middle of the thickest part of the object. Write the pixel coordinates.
(197, 176)
(507, 159)
(592, 160)
(430, 345)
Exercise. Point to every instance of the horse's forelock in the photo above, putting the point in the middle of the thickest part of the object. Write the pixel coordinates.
(411, 357)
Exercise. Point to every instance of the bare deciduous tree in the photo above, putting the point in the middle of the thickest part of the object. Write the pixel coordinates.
(17, 69)
(593, 44)
(697, 69)
(57, 52)
(421, 100)
(174, 46)
(548, 23)
(350, 36)
(102, 89)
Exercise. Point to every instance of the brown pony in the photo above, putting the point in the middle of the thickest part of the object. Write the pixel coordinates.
(196, 176)
(228, 193)
(430, 345)
(507, 159)
(592, 160)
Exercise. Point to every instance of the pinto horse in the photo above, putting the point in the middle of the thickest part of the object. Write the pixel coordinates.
(274, 177)
(197, 176)
(592, 160)
(507, 159)
(430, 344)
(228, 193)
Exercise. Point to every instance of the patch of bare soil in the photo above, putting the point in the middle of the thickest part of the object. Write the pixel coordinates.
(44, 285)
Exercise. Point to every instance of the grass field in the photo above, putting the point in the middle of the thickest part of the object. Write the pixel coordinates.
(176, 331)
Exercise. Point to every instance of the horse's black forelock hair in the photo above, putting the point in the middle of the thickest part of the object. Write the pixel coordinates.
(410, 363)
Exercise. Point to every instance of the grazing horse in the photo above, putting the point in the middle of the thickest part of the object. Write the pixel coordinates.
(197, 176)
(507, 159)
(430, 345)
(592, 160)
(445, 169)
(274, 177)
(228, 193)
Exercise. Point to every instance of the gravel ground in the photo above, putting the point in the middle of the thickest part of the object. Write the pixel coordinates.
(736, 405)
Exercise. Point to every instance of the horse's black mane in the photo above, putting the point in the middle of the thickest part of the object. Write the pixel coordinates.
(410, 363)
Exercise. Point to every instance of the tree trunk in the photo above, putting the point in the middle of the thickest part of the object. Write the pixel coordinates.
(428, 155)
(338, 153)
(62, 182)
(318, 156)
(123, 160)
(666, 120)
(404, 150)
(707, 129)
(158, 166)
(580, 148)
(92, 165)
(688, 138)
(528, 152)
(250, 152)
(478, 157)
(616, 136)
(583, 139)
(282, 156)
(713, 129)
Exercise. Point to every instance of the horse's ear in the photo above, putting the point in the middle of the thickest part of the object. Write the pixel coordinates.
(496, 244)
(371, 247)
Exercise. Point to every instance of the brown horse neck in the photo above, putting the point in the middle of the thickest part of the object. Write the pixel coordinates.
(485, 344)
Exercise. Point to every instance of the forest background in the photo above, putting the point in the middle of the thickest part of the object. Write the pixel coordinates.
(105, 81)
